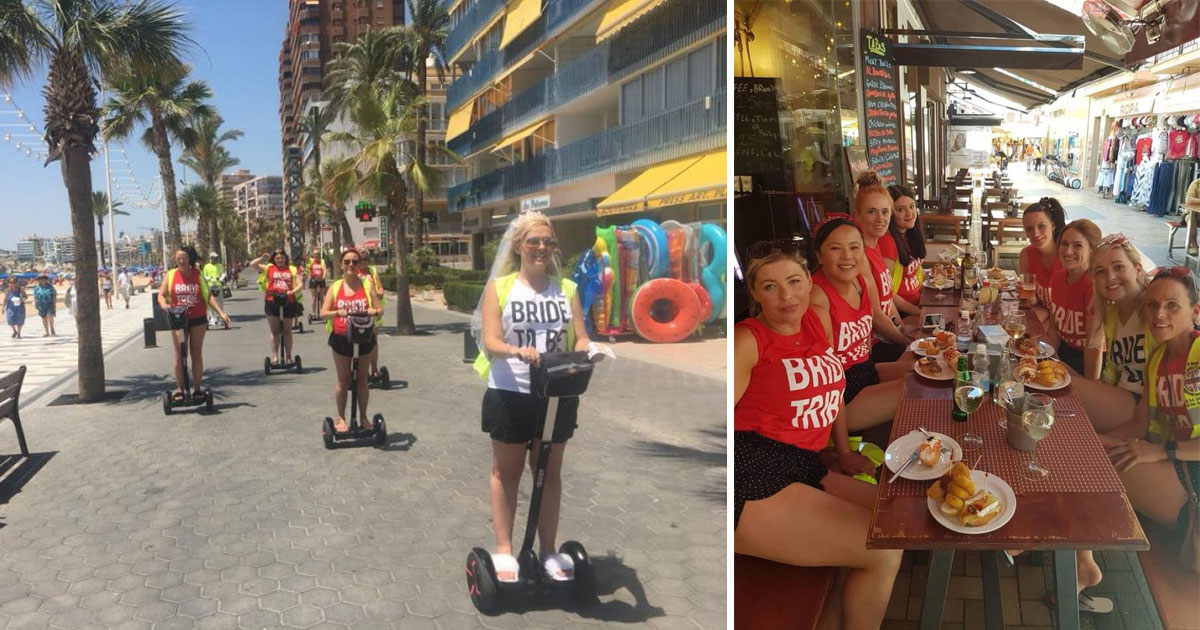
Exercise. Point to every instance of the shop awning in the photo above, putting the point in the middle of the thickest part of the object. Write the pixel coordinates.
(622, 13)
(520, 15)
(518, 136)
(460, 119)
(702, 181)
(670, 183)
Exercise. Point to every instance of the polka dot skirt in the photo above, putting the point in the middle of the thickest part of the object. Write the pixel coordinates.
(762, 467)
(859, 377)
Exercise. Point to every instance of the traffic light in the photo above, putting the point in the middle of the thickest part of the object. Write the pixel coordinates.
(365, 211)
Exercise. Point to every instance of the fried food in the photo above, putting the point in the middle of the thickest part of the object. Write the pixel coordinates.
(929, 366)
(979, 510)
(944, 339)
(950, 356)
(1028, 347)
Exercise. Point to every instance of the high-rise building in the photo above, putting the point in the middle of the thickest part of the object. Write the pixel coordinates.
(64, 249)
(29, 249)
(229, 181)
(593, 112)
(259, 197)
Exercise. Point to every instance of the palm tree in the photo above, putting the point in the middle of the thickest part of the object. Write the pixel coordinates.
(100, 207)
(336, 192)
(382, 119)
(81, 40)
(429, 26)
(204, 204)
(207, 156)
(170, 101)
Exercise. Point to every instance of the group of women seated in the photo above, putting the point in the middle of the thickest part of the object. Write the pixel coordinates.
(825, 352)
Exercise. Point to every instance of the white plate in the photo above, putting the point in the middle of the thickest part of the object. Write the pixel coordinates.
(928, 284)
(1045, 351)
(993, 484)
(899, 451)
(1063, 383)
(946, 375)
(915, 347)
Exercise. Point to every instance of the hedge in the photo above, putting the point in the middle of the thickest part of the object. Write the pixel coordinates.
(436, 277)
(463, 296)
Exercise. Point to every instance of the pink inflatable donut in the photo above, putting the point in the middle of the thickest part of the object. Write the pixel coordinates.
(665, 310)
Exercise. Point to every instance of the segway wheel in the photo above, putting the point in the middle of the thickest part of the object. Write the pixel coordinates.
(481, 580)
(267, 366)
(299, 366)
(1076, 183)
(167, 403)
(583, 586)
(208, 400)
(385, 379)
(327, 432)
(380, 429)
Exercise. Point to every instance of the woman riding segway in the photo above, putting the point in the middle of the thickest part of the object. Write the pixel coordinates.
(316, 269)
(281, 282)
(185, 287)
(351, 295)
(527, 309)
(365, 272)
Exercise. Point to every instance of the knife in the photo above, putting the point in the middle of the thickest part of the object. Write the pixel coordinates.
(911, 458)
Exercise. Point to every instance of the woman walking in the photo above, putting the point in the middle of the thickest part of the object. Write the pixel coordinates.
(44, 298)
(14, 306)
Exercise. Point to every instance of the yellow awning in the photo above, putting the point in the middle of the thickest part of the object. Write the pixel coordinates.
(518, 136)
(632, 196)
(460, 119)
(621, 14)
(705, 180)
(521, 14)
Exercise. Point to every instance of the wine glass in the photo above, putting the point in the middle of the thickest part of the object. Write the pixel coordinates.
(1038, 419)
(969, 395)
(1014, 325)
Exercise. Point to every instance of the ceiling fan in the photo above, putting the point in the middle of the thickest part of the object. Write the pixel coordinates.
(1116, 28)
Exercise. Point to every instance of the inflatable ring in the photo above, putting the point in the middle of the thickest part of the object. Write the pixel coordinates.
(658, 262)
(714, 271)
(706, 305)
(716, 293)
(665, 310)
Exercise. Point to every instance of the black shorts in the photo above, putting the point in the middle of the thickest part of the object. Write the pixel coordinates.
(192, 322)
(1072, 357)
(341, 345)
(316, 283)
(1193, 471)
(287, 311)
(762, 467)
(512, 417)
(858, 378)
(886, 351)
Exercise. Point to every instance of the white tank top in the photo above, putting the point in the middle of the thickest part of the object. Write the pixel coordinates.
(530, 319)
(1128, 354)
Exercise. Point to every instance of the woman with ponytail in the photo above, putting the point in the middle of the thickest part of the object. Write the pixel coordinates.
(904, 249)
(1044, 223)
(873, 212)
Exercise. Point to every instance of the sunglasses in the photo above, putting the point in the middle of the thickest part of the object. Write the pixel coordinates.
(762, 249)
(546, 241)
(1112, 239)
(1174, 272)
(351, 262)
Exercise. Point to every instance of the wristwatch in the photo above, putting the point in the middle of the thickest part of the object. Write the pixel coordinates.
(1170, 448)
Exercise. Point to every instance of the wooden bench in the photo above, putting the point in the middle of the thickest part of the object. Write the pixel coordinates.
(10, 403)
(772, 595)
(1173, 586)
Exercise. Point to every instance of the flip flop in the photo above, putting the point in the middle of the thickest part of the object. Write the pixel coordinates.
(1098, 605)
(344, 427)
(505, 563)
(559, 567)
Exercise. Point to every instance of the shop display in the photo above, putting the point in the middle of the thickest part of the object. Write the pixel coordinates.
(1148, 161)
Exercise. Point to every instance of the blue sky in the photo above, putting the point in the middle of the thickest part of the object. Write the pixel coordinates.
(237, 55)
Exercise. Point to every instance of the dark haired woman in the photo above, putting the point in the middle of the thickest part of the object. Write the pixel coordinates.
(788, 385)
(185, 287)
(904, 249)
(279, 279)
(351, 294)
(1044, 223)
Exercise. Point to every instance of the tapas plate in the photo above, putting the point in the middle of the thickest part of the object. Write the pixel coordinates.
(1044, 350)
(946, 373)
(983, 481)
(899, 451)
(1063, 382)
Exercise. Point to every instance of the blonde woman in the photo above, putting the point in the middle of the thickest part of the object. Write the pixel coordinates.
(527, 308)
(1072, 303)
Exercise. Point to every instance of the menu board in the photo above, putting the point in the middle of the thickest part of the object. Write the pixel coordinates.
(882, 107)
(758, 143)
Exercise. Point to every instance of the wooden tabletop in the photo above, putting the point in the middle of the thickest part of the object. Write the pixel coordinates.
(1048, 520)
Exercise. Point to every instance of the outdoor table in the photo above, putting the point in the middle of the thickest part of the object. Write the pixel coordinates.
(1081, 505)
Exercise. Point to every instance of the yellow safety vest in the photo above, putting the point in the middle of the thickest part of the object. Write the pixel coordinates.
(262, 277)
(483, 362)
(1159, 429)
(898, 275)
(199, 278)
(1108, 373)
(337, 286)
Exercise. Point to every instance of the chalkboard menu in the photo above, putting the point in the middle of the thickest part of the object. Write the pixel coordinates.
(882, 107)
(757, 142)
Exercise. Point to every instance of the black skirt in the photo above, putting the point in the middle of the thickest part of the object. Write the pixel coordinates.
(762, 467)
(1072, 357)
(858, 378)
(886, 351)
(512, 417)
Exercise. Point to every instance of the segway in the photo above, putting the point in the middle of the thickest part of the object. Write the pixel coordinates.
(314, 317)
(558, 375)
(359, 328)
(282, 365)
(382, 379)
(177, 316)
(226, 291)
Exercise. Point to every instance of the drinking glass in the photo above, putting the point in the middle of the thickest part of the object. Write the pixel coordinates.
(1038, 420)
(1027, 288)
(1014, 325)
(969, 396)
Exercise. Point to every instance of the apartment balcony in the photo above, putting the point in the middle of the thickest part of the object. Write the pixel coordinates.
(476, 18)
(679, 26)
(479, 76)
(693, 128)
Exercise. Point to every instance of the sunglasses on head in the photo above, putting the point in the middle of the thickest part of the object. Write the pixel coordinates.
(547, 241)
(1174, 272)
(762, 249)
(1113, 239)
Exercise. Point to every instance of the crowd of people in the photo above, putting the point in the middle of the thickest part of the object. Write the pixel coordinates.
(824, 353)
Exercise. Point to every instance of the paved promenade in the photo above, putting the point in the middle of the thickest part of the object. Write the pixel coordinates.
(126, 518)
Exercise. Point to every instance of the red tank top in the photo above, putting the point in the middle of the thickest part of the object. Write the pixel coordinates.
(279, 281)
(316, 269)
(910, 285)
(796, 387)
(1168, 384)
(1070, 305)
(882, 274)
(356, 302)
(185, 291)
(851, 327)
(1041, 273)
